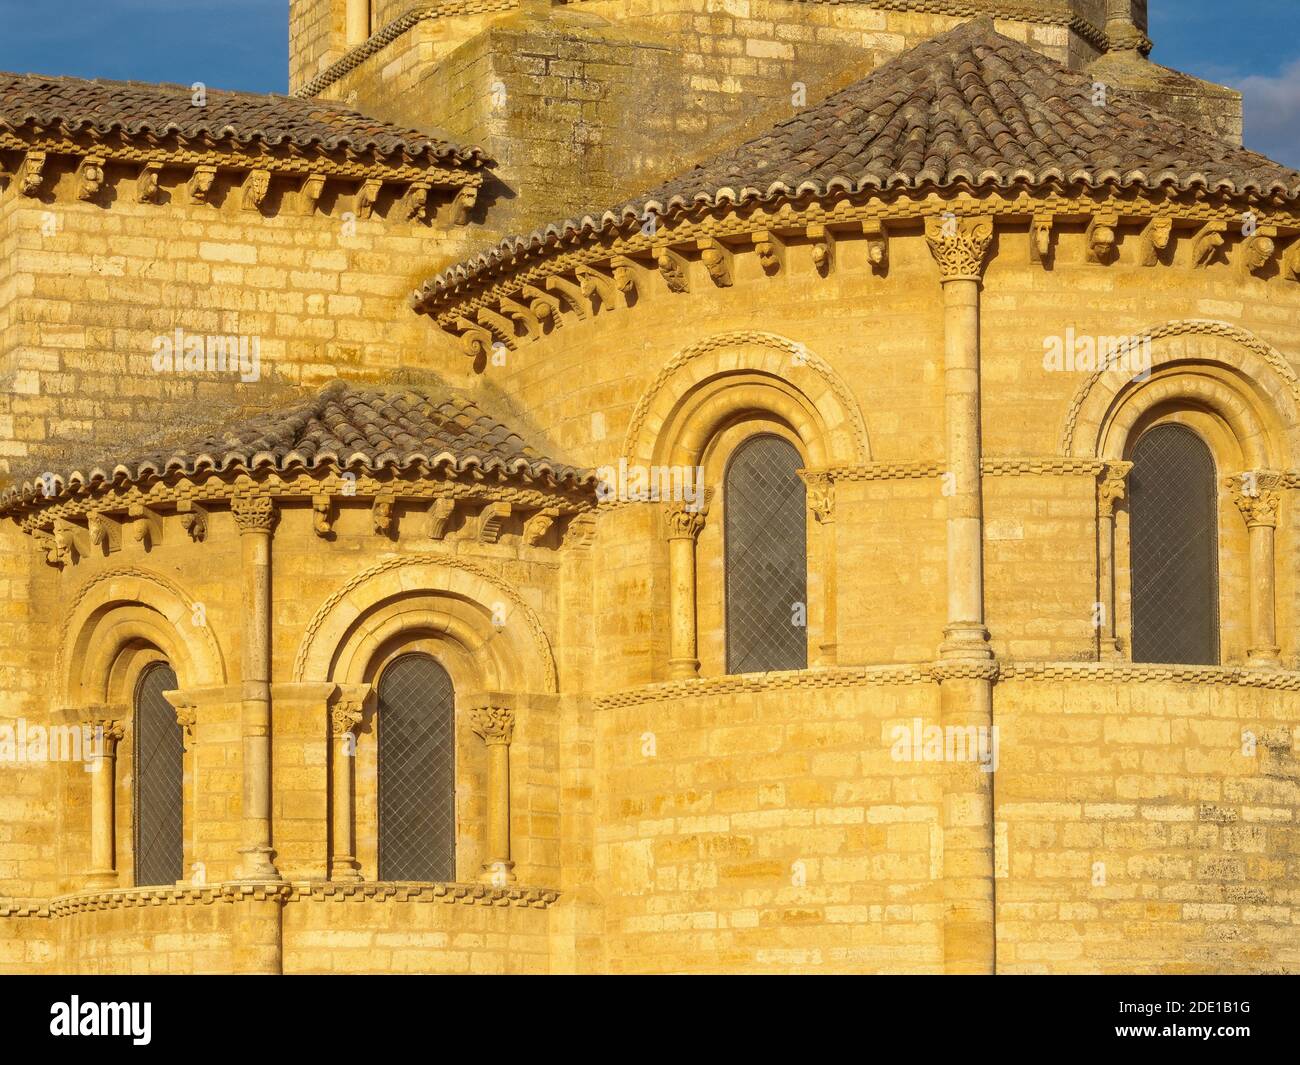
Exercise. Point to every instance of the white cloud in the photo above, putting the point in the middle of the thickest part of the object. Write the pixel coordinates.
(1272, 106)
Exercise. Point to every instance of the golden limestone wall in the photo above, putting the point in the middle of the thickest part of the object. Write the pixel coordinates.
(323, 292)
(1145, 820)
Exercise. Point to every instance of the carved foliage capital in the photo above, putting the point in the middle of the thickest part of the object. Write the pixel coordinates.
(821, 496)
(1112, 487)
(1256, 494)
(492, 724)
(959, 245)
(253, 513)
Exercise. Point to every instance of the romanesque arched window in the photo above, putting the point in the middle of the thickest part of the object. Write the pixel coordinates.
(417, 771)
(158, 780)
(766, 557)
(1174, 548)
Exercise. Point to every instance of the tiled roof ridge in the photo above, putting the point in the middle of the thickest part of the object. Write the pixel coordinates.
(106, 106)
(343, 426)
(1047, 138)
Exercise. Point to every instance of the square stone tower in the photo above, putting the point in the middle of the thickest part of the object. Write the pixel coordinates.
(585, 103)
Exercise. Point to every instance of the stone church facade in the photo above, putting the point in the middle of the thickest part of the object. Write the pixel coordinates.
(870, 547)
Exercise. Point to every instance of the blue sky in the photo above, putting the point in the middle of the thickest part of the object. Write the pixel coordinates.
(1252, 45)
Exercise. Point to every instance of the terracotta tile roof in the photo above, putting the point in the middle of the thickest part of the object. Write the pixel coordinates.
(967, 107)
(344, 427)
(39, 103)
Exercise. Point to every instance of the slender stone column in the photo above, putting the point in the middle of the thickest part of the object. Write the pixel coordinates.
(255, 516)
(959, 245)
(1110, 489)
(494, 724)
(821, 501)
(345, 717)
(357, 18)
(965, 671)
(684, 525)
(106, 725)
(1257, 496)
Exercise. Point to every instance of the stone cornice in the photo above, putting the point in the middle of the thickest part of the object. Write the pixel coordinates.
(192, 498)
(274, 180)
(472, 894)
(927, 672)
(511, 303)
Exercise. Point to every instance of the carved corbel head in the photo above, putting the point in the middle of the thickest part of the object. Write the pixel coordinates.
(90, 177)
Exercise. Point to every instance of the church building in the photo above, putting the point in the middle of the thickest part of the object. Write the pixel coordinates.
(651, 486)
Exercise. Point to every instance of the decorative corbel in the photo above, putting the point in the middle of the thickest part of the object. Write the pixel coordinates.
(381, 514)
(1101, 236)
(105, 532)
(624, 275)
(32, 173)
(770, 251)
(569, 292)
(523, 316)
(146, 185)
(823, 248)
(503, 328)
(593, 283)
(581, 530)
(194, 519)
(49, 545)
(877, 243)
(536, 527)
(322, 515)
(463, 204)
(717, 260)
(256, 186)
(440, 513)
(491, 520)
(1040, 237)
(545, 306)
(475, 341)
(1291, 262)
(1155, 239)
(672, 268)
(1207, 242)
(90, 177)
(146, 524)
(367, 196)
(1257, 251)
(415, 203)
(201, 182)
(69, 538)
(313, 186)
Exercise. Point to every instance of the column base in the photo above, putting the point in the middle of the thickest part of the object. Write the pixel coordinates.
(965, 641)
(498, 873)
(683, 668)
(345, 867)
(256, 864)
(102, 880)
(1111, 651)
(1264, 658)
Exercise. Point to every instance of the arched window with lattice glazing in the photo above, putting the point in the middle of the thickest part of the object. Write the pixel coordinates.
(1173, 553)
(417, 771)
(765, 543)
(158, 775)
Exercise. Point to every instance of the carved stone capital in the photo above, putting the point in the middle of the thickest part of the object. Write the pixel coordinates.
(1256, 494)
(1112, 487)
(959, 245)
(345, 716)
(107, 720)
(821, 495)
(683, 521)
(491, 723)
(253, 513)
